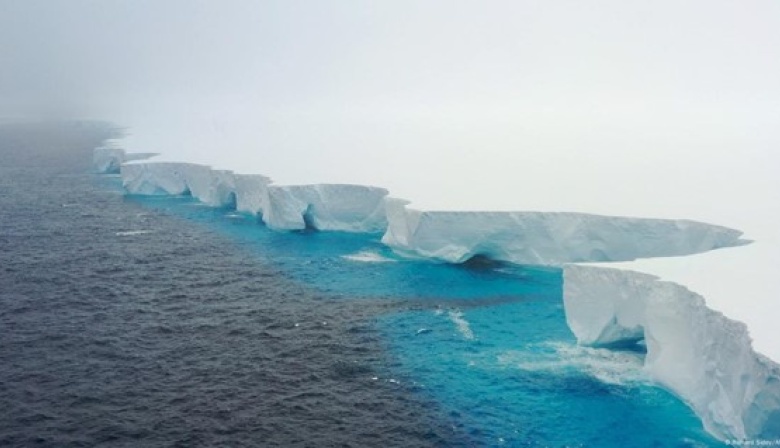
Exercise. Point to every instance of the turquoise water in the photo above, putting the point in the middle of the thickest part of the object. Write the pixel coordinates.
(488, 342)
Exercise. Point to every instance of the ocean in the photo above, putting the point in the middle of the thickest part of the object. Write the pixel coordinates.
(157, 321)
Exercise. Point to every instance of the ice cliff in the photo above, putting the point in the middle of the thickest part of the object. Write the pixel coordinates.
(351, 208)
(545, 238)
(109, 157)
(701, 355)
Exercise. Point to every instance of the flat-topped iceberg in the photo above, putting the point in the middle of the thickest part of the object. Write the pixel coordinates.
(350, 208)
(160, 178)
(109, 157)
(545, 238)
(701, 355)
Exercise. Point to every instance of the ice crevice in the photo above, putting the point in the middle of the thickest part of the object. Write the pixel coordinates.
(699, 354)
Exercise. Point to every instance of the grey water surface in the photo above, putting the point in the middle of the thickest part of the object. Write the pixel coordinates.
(121, 326)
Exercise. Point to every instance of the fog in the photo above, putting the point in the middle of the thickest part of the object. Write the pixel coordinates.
(643, 108)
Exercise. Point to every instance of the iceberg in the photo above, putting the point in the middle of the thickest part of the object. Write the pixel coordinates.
(251, 191)
(545, 238)
(698, 353)
(108, 158)
(160, 178)
(335, 207)
(215, 188)
(350, 208)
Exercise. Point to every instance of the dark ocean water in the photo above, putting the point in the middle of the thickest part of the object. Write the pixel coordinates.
(157, 321)
(176, 337)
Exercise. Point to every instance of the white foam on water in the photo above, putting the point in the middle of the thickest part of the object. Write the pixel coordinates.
(622, 368)
(368, 257)
(134, 232)
(456, 316)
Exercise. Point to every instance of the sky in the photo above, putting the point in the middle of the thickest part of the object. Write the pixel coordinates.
(643, 108)
(454, 104)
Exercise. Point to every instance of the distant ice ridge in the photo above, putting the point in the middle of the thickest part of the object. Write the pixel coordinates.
(109, 157)
(351, 208)
(701, 355)
(545, 238)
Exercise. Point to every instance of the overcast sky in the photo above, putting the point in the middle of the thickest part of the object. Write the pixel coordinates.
(545, 104)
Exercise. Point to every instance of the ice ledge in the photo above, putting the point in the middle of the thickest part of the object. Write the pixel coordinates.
(546, 238)
(699, 354)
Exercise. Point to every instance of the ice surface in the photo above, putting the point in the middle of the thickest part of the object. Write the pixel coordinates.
(545, 238)
(698, 353)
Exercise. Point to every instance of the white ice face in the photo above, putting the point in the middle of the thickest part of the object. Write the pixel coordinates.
(108, 158)
(351, 208)
(701, 355)
(546, 238)
(155, 178)
(251, 192)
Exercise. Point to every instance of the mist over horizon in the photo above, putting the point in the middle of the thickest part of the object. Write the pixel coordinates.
(466, 105)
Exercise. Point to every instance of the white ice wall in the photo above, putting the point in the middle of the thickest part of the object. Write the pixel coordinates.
(546, 237)
(109, 157)
(701, 355)
(161, 178)
(251, 192)
(350, 208)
